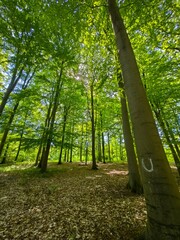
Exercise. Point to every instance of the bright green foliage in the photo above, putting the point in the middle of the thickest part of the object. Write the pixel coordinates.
(37, 36)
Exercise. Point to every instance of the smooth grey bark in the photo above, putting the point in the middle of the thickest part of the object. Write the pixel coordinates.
(160, 188)
(134, 182)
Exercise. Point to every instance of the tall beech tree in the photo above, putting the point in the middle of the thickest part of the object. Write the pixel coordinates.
(134, 182)
(160, 189)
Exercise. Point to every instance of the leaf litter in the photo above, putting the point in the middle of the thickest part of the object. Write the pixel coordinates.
(70, 202)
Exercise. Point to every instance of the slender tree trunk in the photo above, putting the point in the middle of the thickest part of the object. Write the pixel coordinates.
(102, 140)
(173, 138)
(160, 188)
(166, 134)
(63, 134)
(65, 155)
(72, 140)
(94, 166)
(38, 155)
(45, 154)
(81, 143)
(71, 154)
(134, 177)
(68, 155)
(21, 137)
(99, 147)
(121, 148)
(19, 147)
(109, 148)
(5, 154)
(6, 131)
(80, 152)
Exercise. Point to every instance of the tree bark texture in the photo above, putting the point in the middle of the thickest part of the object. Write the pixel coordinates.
(134, 177)
(160, 188)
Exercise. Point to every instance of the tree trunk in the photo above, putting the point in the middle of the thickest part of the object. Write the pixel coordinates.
(63, 134)
(6, 131)
(109, 148)
(45, 154)
(121, 148)
(134, 177)
(94, 166)
(173, 138)
(81, 144)
(19, 147)
(166, 134)
(38, 155)
(102, 140)
(14, 80)
(21, 137)
(99, 147)
(5, 154)
(71, 145)
(160, 188)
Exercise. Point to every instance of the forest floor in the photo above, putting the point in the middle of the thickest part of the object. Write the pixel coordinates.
(69, 202)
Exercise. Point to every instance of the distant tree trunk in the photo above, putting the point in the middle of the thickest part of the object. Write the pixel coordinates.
(94, 165)
(86, 145)
(166, 134)
(173, 138)
(21, 137)
(71, 145)
(99, 147)
(102, 139)
(160, 188)
(80, 152)
(86, 154)
(109, 148)
(38, 155)
(71, 154)
(63, 134)
(134, 177)
(65, 155)
(6, 131)
(121, 148)
(19, 147)
(81, 143)
(5, 154)
(42, 148)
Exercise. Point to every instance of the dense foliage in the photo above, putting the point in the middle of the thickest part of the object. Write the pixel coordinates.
(55, 53)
